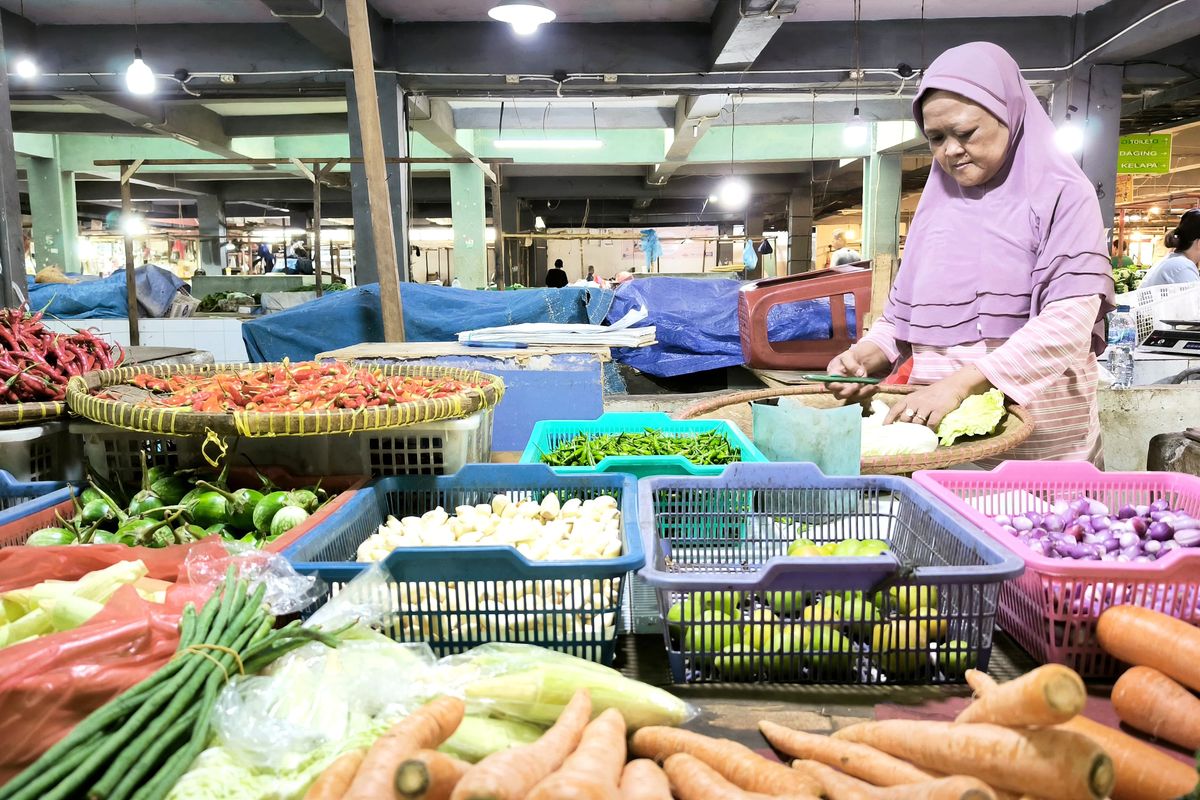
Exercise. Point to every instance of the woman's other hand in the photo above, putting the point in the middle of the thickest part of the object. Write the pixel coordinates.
(927, 405)
(860, 361)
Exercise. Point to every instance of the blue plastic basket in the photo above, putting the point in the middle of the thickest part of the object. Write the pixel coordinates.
(932, 598)
(549, 434)
(19, 500)
(464, 578)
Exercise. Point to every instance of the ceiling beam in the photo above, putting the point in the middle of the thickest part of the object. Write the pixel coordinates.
(1166, 23)
(741, 30)
(632, 187)
(1182, 91)
(693, 116)
(433, 119)
(322, 23)
(285, 124)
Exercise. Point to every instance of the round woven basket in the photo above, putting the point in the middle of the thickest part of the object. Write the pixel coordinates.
(130, 413)
(1015, 428)
(28, 413)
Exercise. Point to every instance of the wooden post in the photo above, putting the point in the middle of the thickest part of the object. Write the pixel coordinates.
(883, 273)
(498, 226)
(316, 253)
(130, 277)
(374, 160)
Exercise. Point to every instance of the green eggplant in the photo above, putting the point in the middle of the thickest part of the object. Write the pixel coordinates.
(266, 509)
(88, 495)
(190, 496)
(241, 505)
(144, 501)
(209, 508)
(96, 511)
(162, 537)
(50, 537)
(170, 489)
(157, 473)
(105, 537)
(216, 530)
(285, 519)
(306, 499)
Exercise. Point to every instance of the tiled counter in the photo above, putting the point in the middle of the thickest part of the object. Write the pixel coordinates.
(221, 336)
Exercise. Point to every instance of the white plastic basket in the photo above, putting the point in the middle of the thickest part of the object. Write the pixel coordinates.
(435, 448)
(1157, 303)
(46, 452)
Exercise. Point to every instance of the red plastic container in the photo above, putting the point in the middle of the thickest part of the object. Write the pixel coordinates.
(757, 298)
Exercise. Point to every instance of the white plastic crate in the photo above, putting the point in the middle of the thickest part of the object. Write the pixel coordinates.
(45, 452)
(436, 448)
(1157, 303)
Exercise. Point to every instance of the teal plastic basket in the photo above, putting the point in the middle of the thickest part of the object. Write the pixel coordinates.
(549, 434)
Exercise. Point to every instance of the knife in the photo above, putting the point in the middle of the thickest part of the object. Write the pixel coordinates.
(840, 379)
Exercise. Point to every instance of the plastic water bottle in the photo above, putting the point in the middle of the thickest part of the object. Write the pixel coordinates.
(1122, 338)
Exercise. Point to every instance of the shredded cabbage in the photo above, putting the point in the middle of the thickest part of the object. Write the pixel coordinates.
(897, 439)
(978, 415)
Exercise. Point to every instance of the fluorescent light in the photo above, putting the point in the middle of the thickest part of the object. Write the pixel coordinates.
(525, 16)
(139, 78)
(856, 132)
(26, 67)
(1069, 136)
(133, 225)
(548, 144)
(539, 224)
(1155, 210)
(734, 192)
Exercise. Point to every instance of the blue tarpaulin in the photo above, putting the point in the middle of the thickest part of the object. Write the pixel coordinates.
(105, 298)
(697, 324)
(431, 314)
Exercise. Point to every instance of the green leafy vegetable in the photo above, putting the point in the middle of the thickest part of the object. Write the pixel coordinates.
(978, 415)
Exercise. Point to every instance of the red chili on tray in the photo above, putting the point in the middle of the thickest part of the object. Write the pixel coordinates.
(36, 362)
(283, 388)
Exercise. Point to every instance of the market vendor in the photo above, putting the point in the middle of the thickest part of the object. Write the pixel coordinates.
(1006, 279)
(1182, 265)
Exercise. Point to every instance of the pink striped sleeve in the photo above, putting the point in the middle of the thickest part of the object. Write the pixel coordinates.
(882, 334)
(1043, 350)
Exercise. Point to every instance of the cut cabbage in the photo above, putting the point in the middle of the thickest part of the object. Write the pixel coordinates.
(978, 415)
(897, 439)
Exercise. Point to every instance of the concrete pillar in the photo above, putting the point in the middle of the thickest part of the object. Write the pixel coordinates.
(469, 212)
(754, 232)
(881, 205)
(210, 213)
(1096, 95)
(800, 226)
(52, 207)
(12, 247)
(393, 119)
(724, 250)
(510, 220)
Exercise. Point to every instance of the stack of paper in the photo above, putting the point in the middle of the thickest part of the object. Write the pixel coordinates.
(619, 334)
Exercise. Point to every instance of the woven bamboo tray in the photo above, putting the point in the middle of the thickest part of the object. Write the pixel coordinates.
(127, 412)
(28, 413)
(1015, 428)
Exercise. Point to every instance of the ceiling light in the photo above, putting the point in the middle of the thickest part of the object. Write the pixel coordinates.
(733, 192)
(539, 224)
(25, 67)
(1069, 136)
(856, 132)
(133, 225)
(547, 144)
(712, 198)
(524, 15)
(138, 77)
(1155, 210)
(1134, 218)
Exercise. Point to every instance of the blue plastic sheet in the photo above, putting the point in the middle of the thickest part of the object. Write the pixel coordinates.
(431, 314)
(697, 322)
(105, 298)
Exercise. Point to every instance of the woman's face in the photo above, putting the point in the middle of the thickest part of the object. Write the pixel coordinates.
(967, 141)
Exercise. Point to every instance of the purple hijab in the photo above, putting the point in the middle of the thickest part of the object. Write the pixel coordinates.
(980, 262)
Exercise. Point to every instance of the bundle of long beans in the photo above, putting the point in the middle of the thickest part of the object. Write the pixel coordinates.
(136, 746)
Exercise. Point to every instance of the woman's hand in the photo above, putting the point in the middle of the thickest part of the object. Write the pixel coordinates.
(929, 404)
(860, 361)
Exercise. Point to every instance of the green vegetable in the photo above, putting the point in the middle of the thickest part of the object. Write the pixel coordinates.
(105, 537)
(241, 505)
(209, 508)
(50, 537)
(171, 489)
(95, 511)
(583, 450)
(266, 509)
(88, 495)
(477, 738)
(978, 415)
(155, 474)
(285, 519)
(143, 501)
(306, 499)
(187, 499)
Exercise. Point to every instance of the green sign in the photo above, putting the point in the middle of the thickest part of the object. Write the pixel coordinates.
(1144, 153)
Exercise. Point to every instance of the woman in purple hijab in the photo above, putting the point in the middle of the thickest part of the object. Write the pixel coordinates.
(1005, 280)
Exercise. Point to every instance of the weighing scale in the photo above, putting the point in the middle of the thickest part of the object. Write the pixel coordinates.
(1181, 339)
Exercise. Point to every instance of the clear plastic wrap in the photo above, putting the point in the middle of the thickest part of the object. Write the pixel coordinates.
(287, 590)
(367, 600)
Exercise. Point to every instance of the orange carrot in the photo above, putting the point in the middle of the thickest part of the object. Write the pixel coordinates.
(857, 760)
(593, 771)
(429, 775)
(1143, 772)
(424, 729)
(980, 682)
(736, 762)
(692, 779)
(1146, 638)
(1046, 696)
(642, 779)
(1051, 762)
(1151, 702)
(511, 774)
(838, 786)
(335, 780)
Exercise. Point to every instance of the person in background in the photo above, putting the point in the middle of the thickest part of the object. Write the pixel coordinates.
(263, 254)
(592, 277)
(842, 254)
(1005, 281)
(556, 276)
(1120, 256)
(1183, 265)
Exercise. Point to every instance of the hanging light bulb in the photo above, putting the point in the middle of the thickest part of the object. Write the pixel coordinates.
(25, 67)
(856, 132)
(139, 78)
(733, 192)
(1069, 136)
(133, 225)
(539, 224)
(525, 16)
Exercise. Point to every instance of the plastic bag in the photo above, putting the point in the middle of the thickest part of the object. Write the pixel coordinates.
(367, 600)
(26, 566)
(287, 590)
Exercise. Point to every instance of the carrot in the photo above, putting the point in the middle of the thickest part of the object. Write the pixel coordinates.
(424, 729)
(1046, 696)
(335, 780)
(1147, 638)
(692, 779)
(1046, 761)
(980, 682)
(642, 779)
(1151, 702)
(736, 762)
(1143, 772)
(838, 786)
(429, 775)
(593, 771)
(510, 774)
(857, 760)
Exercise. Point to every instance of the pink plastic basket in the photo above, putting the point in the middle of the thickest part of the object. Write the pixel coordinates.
(1052, 609)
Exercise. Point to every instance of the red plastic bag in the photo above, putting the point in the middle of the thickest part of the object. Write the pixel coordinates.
(50, 684)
